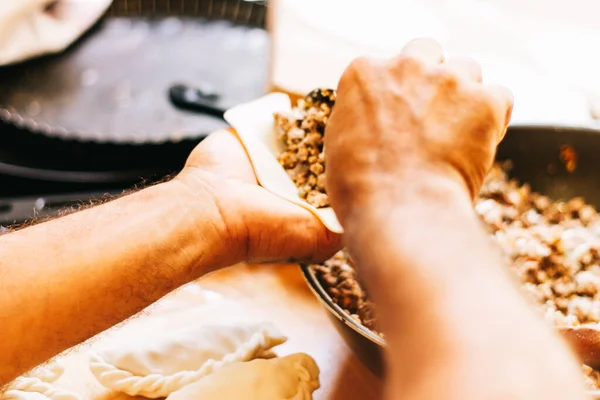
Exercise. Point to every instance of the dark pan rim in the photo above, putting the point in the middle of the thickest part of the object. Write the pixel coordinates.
(343, 316)
(336, 310)
(340, 314)
(590, 128)
(67, 176)
(43, 130)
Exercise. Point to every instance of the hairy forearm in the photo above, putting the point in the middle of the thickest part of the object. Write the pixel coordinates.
(65, 280)
(454, 320)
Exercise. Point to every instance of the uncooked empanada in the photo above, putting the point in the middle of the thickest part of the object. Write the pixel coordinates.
(254, 125)
(37, 385)
(21, 395)
(294, 377)
(157, 365)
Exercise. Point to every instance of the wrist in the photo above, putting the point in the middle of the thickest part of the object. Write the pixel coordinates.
(216, 245)
(417, 195)
(408, 229)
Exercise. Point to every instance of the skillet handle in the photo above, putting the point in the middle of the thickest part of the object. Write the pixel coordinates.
(194, 99)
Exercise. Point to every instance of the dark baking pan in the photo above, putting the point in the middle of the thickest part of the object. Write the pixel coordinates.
(104, 104)
(112, 86)
(38, 159)
(537, 155)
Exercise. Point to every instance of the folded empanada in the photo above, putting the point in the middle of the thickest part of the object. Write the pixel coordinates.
(21, 395)
(37, 385)
(294, 377)
(157, 365)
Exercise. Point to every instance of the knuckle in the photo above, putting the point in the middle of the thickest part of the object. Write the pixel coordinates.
(358, 68)
(361, 64)
(358, 76)
(488, 110)
(495, 107)
(485, 104)
(445, 78)
(408, 63)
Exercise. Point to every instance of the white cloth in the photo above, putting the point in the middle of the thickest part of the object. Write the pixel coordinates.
(294, 377)
(30, 28)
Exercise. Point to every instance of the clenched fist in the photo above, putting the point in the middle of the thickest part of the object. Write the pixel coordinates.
(414, 117)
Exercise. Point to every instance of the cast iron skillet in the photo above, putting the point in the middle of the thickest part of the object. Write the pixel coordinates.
(102, 112)
(535, 154)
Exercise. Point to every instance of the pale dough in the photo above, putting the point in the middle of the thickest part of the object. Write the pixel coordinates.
(294, 377)
(158, 365)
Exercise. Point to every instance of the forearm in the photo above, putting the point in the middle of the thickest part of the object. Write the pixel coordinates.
(455, 322)
(65, 280)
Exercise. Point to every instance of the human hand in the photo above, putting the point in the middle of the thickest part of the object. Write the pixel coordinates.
(258, 226)
(411, 119)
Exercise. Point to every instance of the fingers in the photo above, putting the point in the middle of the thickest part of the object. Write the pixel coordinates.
(329, 243)
(426, 50)
(503, 101)
(430, 53)
(281, 231)
(308, 240)
(465, 68)
(469, 70)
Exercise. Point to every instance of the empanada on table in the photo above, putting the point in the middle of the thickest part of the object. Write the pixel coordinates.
(157, 365)
(37, 384)
(294, 377)
(19, 395)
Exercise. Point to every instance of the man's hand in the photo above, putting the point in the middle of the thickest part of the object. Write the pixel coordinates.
(259, 226)
(92, 269)
(412, 117)
(408, 144)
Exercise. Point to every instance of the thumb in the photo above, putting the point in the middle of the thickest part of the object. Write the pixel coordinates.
(290, 233)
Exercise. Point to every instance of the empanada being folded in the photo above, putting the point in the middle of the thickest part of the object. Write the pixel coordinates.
(294, 377)
(157, 365)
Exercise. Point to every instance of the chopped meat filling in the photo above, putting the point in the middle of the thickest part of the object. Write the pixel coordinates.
(553, 247)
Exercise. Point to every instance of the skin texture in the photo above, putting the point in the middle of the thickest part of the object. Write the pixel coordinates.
(408, 145)
(68, 279)
(456, 326)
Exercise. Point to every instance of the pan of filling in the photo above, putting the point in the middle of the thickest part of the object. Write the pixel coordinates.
(538, 204)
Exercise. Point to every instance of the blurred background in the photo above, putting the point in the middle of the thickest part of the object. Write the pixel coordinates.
(97, 96)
